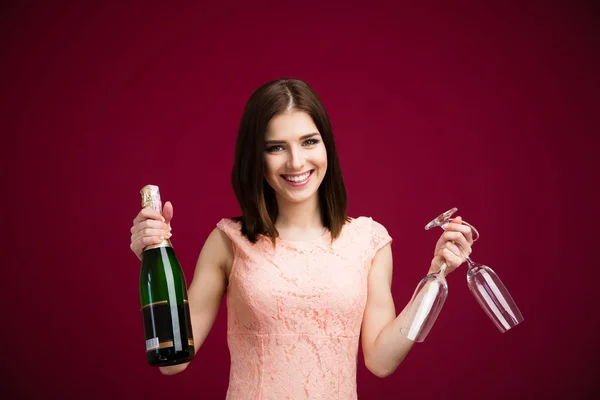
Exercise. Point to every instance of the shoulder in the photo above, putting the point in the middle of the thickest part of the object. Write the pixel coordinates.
(232, 229)
(369, 225)
(221, 236)
(229, 225)
(374, 234)
(217, 250)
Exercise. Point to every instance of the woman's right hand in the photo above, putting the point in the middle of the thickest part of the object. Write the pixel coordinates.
(149, 227)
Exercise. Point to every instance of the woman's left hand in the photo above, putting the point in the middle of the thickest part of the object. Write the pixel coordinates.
(447, 250)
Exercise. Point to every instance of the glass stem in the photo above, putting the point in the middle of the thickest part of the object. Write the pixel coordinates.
(442, 269)
(470, 263)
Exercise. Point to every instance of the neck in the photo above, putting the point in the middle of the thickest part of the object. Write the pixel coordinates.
(305, 215)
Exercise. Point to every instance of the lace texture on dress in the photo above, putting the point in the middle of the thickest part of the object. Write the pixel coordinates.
(294, 312)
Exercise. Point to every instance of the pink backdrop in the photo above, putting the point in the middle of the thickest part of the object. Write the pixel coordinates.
(489, 108)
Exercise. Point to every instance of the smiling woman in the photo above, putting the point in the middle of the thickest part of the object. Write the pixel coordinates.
(289, 131)
(296, 167)
(303, 281)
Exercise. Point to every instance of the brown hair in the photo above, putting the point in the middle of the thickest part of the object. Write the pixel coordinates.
(254, 195)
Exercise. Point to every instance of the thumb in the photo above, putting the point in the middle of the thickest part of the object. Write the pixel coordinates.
(457, 220)
(168, 212)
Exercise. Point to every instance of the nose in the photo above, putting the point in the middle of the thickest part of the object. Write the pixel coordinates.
(296, 159)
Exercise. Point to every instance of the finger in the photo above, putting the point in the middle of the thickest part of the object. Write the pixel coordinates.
(457, 226)
(452, 261)
(168, 212)
(446, 257)
(454, 249)
(149, 232)
(149, 223)
(148, 213)
(139, 245)
(458, 239)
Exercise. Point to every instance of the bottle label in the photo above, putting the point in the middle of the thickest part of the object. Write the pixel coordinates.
(159, 330)
(152, 344)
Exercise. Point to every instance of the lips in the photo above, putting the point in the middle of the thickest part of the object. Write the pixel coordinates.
(298, 179)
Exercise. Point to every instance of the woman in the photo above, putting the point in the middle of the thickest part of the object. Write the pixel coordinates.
(303, 281)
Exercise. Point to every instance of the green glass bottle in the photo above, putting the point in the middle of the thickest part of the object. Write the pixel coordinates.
(163, 294)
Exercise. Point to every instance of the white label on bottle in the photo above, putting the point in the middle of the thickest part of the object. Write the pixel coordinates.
(152, 344)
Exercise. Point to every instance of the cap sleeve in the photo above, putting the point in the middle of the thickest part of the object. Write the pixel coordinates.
(379, 237)
(230, 227)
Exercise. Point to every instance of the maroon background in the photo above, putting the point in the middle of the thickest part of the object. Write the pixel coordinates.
(490, 108)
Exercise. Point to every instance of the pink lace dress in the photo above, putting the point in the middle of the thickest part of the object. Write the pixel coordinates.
(294, 313)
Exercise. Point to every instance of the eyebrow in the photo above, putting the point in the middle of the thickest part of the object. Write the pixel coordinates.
(303, 137)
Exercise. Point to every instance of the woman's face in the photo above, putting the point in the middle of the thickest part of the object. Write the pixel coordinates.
(295, 157)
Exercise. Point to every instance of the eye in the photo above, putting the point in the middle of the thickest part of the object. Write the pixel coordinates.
(311, 142)
(274, 149)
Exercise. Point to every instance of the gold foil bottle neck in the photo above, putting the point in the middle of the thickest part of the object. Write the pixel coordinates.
(164, 243)
(151, 198)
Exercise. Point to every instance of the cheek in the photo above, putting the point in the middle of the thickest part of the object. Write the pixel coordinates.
(268, 167)
(270, 172)
(323, 158)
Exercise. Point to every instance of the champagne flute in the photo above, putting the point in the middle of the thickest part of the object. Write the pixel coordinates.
(483, 282)
(425, 305)
(429, 296)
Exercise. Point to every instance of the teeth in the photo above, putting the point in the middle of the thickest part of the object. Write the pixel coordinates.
(297, 178)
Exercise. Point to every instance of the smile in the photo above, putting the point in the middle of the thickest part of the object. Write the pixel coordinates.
(299, 179)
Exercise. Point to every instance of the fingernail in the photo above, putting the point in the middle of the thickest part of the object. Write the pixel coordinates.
(162, 238)
(163, 219)
(169, 235)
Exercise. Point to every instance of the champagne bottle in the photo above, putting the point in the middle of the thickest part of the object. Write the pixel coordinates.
(163, 294)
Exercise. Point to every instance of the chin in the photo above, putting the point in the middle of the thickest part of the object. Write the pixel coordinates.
(297, 199)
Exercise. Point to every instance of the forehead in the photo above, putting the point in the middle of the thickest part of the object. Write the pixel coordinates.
(290, 125)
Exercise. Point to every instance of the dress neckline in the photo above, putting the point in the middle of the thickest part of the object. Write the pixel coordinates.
(305, 242)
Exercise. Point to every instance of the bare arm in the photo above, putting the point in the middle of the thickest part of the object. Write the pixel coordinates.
(206, 291)
(383, 346)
